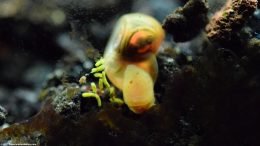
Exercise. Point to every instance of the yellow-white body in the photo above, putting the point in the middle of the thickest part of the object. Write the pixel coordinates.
(132, 50)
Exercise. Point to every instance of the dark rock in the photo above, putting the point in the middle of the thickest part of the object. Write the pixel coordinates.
(186, 22)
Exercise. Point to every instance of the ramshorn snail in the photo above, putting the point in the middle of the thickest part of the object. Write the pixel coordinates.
(130, 59)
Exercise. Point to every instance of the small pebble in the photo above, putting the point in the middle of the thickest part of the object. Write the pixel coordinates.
(3, 114)
(257, 14)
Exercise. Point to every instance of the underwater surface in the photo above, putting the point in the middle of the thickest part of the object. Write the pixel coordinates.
(130, 72)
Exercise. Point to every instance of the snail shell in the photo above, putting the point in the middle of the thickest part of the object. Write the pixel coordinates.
(134, 41)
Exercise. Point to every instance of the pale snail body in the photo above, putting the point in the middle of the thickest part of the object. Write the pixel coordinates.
(130, 61)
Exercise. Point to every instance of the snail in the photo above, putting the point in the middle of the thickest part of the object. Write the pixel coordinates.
(130, 59)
